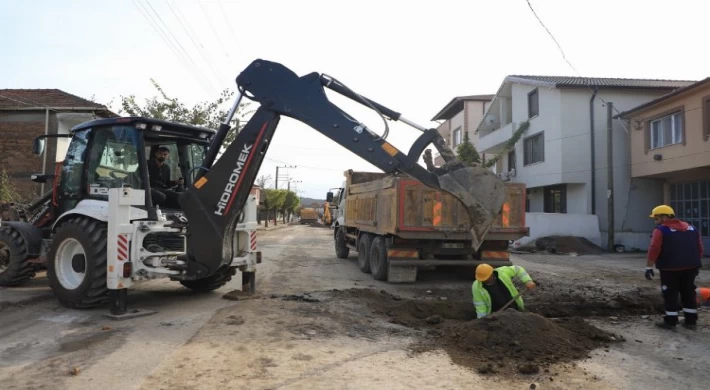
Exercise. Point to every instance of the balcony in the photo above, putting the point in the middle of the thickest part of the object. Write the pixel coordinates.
(494, 141)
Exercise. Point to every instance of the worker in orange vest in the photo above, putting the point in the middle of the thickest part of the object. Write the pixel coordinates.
(703, 296)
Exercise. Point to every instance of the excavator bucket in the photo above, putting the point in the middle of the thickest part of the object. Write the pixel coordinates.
(483, 194)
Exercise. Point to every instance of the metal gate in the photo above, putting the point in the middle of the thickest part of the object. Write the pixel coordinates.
(691, 202)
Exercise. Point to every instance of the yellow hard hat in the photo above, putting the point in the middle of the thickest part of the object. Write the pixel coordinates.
(662, 210)
(483, 272)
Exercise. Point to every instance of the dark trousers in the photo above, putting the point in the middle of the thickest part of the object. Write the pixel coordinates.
(165, 198)
(674, 283)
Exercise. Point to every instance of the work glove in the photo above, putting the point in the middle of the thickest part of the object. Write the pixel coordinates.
(649, 273)
(530, 285)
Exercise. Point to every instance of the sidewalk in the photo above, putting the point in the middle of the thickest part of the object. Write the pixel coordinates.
(272, 227)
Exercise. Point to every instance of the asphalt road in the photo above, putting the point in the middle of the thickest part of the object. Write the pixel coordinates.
(191, 342)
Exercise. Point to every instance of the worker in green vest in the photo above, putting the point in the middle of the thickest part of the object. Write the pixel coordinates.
(494, 288)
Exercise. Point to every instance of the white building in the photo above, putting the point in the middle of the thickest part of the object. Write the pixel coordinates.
(562, 157)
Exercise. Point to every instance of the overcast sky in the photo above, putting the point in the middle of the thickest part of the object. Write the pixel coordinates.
(411, 56)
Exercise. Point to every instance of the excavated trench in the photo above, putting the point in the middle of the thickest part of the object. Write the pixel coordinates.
(551, 331)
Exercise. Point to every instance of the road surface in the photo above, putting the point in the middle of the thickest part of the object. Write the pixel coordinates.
(294, 335)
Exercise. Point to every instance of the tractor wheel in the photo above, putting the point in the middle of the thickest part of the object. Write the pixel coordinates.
(378, 259)
(14, 268)
(76, 265)
(210, 283)
(363, 253)
(341, 248)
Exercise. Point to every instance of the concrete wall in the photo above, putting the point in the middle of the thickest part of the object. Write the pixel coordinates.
(694, 152)
(456, 121)
(474, 115)
(543, 224)
(549, 171)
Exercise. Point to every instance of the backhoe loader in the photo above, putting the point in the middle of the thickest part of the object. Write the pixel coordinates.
(110, 228)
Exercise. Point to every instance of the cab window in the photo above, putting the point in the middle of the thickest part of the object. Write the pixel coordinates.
(113, 160)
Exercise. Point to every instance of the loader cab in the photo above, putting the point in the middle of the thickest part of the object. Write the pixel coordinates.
(113, 153)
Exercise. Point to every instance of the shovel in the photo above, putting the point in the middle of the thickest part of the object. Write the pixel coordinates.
(510, 302)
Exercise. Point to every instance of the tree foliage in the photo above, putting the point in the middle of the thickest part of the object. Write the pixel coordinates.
(7, 190)
(466, 152)
(291, 204)
(208, 114)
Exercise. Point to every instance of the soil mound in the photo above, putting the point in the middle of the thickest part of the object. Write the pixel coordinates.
(567, 244)
(506, 342)
(515, 341)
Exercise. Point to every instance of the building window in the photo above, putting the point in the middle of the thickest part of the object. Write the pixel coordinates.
(533, 103)
(667, 130)
(556, 199)
(457, 137)
(534, 149)
(691, 203)
(511, 160)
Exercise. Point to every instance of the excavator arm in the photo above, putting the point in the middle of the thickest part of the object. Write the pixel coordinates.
(213, 203)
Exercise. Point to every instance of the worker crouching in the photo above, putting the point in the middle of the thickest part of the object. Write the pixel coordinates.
(494, 288)
(676, 250)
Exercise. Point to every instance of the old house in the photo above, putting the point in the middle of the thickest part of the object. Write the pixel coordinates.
(28, 113)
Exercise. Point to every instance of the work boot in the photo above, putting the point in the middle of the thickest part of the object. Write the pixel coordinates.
(664, 325)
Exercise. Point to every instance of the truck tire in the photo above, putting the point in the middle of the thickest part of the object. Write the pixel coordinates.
(378, 258)
(341, 249)
(211, 283)
(363, 253)
(14, 268)
(76, 265)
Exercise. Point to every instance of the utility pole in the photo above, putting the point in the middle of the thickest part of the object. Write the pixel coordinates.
(276, 182)
(292, 181)
(610, 178)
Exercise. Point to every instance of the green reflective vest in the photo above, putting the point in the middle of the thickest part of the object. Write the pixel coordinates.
(481, 298)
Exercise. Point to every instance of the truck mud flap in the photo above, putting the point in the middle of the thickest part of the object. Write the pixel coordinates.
(401, 273)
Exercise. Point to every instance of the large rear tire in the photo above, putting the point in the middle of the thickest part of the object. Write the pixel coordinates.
(341, 248)
(14, 268)
(76, 266)
(211, 283)
(363, 253)
(378, 259)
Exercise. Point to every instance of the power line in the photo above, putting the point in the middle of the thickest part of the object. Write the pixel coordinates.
(189, 57)
(158, 30)
(224, 14)
(209, 21)
(190, 34)
(570, 64)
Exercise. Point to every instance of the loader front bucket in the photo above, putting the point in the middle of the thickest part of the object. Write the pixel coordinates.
(483, 194)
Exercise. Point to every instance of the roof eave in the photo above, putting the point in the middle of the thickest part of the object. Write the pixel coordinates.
(676, 92)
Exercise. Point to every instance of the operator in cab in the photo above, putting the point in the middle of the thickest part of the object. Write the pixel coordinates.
(494, 288)
(160, 183)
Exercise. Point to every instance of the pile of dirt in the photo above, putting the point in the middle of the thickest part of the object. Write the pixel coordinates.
(567, 244)
(514, 341)
(505, 342)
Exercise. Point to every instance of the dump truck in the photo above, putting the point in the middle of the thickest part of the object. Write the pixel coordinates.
(398, 225)
(308, 215)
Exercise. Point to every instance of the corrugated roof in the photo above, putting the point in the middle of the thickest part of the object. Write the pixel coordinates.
(676, 92)
(44, 98)
(601, 82)
(456, 105)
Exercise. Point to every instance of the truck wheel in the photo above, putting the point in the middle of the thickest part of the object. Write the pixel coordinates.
(378, 259)
(341, 249)
(210, 283)
(14, 269)
(76, 266)
(363, 253)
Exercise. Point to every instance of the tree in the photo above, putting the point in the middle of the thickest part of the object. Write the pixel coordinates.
(466, 152)
(274, 200)
(291, 203)
(204, 114)
(7, 190)
(263, 180)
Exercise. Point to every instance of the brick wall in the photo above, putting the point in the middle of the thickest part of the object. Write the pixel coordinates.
(17, 132)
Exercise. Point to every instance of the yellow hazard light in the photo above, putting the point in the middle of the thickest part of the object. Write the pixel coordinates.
(199, 183)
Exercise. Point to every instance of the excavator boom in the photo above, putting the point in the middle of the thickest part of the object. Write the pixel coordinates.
(213, 203)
